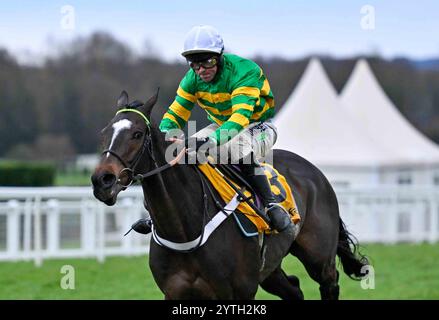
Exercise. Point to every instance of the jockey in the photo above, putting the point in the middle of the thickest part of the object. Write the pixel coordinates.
(239, 102)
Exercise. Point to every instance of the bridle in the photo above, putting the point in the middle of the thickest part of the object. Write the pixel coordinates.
(146, 145)
(206, 189)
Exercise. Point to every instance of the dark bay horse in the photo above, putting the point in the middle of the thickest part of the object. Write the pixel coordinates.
(228, 265)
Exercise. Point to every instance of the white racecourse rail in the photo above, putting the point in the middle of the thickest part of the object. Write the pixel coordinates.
(68, 222)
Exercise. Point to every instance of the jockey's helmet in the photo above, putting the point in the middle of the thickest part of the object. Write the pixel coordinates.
(203, 39)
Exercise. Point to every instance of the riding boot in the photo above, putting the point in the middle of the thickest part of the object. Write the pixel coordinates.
(142, 226)
(280, 219)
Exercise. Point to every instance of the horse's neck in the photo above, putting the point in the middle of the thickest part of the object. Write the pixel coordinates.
(174, 198)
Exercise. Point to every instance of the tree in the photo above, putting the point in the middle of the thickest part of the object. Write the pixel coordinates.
(17, 107)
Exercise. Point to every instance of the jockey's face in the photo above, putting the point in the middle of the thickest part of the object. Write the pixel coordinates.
(205, 69)
(207, 74)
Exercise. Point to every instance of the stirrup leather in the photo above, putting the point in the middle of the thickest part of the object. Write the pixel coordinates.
(274, 204)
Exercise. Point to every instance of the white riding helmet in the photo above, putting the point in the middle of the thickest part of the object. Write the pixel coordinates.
(203, 39)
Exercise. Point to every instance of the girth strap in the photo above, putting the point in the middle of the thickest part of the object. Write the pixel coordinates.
(210, 227)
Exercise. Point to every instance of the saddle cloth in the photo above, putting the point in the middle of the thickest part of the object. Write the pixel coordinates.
(279, 186)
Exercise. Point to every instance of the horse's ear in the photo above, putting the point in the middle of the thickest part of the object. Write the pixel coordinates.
(123, 99)
(150, 103)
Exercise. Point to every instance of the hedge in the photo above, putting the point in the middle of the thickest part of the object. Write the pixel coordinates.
(30, 174)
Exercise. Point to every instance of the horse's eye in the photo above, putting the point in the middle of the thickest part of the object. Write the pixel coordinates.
(137, 135)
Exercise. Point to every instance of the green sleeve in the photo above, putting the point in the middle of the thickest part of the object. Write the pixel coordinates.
(180, 110)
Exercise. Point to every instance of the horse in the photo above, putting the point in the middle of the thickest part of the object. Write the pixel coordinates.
(228, 265)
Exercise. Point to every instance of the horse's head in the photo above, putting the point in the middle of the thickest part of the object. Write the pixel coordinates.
(125, 139)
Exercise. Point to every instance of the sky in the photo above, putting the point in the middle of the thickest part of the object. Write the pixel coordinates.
(283, 28)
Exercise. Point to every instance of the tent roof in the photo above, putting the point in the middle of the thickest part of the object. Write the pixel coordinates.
(366, 101)
(313, 124)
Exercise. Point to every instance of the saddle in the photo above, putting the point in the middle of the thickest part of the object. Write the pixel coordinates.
(228, 181)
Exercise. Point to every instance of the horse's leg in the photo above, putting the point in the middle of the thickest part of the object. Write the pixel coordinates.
(330, 290)
(321, 267)
(317, 243)
(316, 248)
(283, 286)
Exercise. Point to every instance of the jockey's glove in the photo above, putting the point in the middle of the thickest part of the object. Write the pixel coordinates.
(194, 144)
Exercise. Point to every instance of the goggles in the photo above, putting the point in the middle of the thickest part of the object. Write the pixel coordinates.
(206, 64)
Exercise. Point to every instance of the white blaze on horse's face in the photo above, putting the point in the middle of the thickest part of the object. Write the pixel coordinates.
(117, 128)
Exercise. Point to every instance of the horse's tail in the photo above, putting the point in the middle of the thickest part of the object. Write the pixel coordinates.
(351, 258)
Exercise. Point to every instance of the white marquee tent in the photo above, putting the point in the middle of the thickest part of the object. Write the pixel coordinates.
(416, 157)
(313, 124)
(365, 100)
(367, 150)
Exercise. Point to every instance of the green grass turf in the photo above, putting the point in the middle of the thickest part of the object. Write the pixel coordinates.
(404, 271)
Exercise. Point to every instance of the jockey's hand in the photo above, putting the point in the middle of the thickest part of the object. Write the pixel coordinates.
(175, 139)
(194, 144)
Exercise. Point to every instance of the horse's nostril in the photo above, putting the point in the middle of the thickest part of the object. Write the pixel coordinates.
(108, 180)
